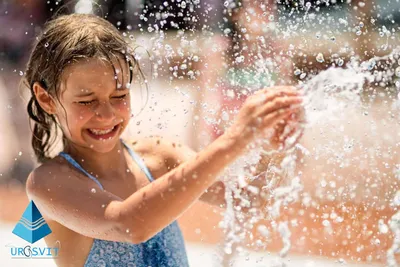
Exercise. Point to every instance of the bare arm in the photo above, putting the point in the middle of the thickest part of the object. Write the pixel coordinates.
(83, 207)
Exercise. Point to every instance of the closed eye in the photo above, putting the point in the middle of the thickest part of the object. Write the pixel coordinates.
(121, 96)
(86, 103)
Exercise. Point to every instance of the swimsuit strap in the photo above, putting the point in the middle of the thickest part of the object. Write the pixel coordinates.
(139, 162)
(135, 157)
(79, 167)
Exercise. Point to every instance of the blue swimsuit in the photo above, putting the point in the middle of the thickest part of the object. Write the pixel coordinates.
(166, 248)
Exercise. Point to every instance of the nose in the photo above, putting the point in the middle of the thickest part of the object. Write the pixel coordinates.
(105, 111)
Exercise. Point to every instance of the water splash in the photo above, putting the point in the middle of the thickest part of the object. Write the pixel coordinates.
(329, 96)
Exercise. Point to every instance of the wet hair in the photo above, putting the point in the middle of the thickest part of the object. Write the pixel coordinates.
(64, 41)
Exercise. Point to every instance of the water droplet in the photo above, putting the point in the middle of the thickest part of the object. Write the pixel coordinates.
(339, 219)
(46, 45)
(297, 72)
(239, 59)
(93, 190)
(396, 199)
(320, 58)
(342, 261)
(225, 116)
(383, 228)
(397, 71)
(343, 21)
(227, 31)
(263, 230)
(326, 223)
(21, 73)
(371, 64)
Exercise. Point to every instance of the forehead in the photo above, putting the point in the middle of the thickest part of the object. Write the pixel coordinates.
(95, 73)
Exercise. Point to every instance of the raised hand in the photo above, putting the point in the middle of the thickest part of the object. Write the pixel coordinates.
(265, 110)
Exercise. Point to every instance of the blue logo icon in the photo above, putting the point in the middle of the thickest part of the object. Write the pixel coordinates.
(32, 226)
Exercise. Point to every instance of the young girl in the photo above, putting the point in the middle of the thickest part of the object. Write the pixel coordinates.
(109, 202)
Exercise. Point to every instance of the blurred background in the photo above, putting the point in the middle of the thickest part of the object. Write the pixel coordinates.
(202, 58)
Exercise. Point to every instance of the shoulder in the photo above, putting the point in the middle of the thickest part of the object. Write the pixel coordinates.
(41, 176)
(170, 151)
(51, 174)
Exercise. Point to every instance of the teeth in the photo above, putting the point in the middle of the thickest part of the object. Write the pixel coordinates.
(101, 132)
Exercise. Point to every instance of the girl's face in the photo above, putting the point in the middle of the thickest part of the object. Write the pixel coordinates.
(94, 105)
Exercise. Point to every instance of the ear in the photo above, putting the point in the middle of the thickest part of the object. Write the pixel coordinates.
(44, 99)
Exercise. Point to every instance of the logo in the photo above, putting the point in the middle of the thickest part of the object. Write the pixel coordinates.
(32, 226)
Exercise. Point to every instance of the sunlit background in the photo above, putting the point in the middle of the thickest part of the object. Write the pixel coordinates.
(338, 199)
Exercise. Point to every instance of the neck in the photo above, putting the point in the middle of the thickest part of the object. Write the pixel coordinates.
(112, 163)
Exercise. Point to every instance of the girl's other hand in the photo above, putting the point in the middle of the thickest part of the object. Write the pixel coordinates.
(263, 111)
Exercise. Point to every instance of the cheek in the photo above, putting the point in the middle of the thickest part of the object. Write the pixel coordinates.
(76, 117)
(123, 108)
(80, 115)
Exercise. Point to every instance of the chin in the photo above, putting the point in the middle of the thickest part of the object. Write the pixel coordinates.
(103, 146)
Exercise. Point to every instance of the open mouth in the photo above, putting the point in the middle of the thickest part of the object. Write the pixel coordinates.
(103, 134)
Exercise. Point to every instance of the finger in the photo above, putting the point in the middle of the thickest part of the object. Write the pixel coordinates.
(292, 130)
(281, 92)
(275, 89)
(297, 132)
(274, 117)
(280, 103)
(270, 93)
(289, 112)
(269, 96)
